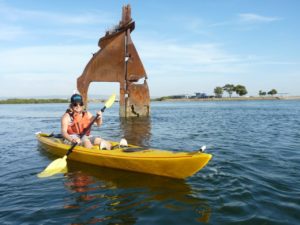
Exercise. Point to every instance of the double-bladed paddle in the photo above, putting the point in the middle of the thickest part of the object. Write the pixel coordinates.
(60, 164)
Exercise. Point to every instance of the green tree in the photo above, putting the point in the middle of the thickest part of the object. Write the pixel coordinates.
(272, 92)
(229, 88)
(262, 93)
(218, 92)
(240, 90)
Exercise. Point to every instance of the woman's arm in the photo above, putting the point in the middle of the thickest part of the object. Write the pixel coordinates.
(99, 119)
(64, 128)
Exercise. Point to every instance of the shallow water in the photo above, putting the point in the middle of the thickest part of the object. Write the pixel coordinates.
(253, 177)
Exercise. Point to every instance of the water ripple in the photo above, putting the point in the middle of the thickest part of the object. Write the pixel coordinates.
(252, 178)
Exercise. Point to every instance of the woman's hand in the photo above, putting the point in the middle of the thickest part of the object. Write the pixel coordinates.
(76, 140)
(99, 115)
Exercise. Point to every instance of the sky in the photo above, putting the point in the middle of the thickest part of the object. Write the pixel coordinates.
(185, 46)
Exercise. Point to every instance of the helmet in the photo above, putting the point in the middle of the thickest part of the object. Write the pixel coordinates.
(76, 98)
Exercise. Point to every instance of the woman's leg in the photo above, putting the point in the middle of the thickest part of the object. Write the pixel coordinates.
(97, 141)
(86, 142)
(100, 141)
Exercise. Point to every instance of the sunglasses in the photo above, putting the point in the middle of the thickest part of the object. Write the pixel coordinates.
(74, 104)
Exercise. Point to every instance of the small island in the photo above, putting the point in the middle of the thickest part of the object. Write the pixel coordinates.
(240, 91)
(176, 98)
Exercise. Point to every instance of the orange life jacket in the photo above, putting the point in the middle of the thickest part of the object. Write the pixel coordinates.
(78, 123)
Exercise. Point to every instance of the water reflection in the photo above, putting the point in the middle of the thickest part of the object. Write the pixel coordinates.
(117, 196)
(136, 131)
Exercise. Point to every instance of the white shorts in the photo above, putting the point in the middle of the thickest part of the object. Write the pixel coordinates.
(73, 136)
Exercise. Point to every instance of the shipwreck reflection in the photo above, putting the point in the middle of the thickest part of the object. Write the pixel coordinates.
(136, 131)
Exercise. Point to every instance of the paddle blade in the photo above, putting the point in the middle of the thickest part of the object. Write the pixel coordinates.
(57, 166)
(110, 101)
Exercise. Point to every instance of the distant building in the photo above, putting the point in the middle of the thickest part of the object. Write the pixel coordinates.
(178, 96)
(201, 95)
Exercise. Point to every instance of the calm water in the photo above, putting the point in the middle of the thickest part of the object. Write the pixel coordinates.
(253, 178)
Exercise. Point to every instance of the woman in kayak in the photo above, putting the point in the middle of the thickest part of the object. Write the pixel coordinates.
(75, 120)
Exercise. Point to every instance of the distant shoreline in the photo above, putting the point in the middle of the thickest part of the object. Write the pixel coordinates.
(58, 100)
(230, 99)
(42, 100)
(32, 100)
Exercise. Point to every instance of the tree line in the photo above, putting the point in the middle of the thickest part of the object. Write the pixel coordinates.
(263, 93)
(240, 90)
(32, 101)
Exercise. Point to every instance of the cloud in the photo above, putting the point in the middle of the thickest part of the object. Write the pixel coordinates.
(42, 70)
(35, 25)
(11, 14)
(36, 84)
(46, 59)
(53, 70)
(255, 18)
(9, 33)
(159, 57)
(169, 57)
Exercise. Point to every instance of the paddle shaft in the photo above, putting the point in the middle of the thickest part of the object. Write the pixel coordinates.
(84, 132)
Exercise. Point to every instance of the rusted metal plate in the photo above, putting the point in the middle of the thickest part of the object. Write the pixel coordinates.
(118, 61)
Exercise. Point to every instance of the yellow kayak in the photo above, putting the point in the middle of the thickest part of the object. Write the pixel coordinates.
(153, 161)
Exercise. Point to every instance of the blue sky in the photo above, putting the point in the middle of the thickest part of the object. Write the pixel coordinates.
(186, 46)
